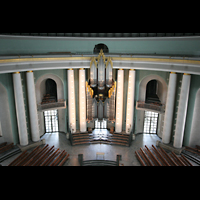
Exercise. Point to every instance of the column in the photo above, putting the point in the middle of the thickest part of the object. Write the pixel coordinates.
(130, 101)
(71, 100)
(182, 111)
(32, 107)
(119, 101)
(169, 108)
(82, 100)
(20, 110)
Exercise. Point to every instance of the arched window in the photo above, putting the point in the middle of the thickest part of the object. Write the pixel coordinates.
(100, 46)
(151, 92)
(51, 89)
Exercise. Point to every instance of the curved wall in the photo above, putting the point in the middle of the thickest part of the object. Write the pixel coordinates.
(19, 45)
(5, 120)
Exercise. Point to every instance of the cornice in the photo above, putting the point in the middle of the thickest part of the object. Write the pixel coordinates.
(182, 65)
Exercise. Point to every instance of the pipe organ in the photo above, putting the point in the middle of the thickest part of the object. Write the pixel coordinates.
(100, 90)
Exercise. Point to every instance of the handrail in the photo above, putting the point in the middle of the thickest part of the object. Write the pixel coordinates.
(59, 103)
(151, 106)
(98, 162)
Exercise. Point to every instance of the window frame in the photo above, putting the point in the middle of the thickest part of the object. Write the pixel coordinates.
(151, 116)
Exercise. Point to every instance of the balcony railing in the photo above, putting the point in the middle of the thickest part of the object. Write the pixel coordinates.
(60, 104)
(154, 107)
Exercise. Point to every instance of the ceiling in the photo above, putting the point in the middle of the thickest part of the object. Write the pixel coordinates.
(106, 34)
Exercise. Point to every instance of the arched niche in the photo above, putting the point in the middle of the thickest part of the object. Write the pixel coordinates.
(5, 120)
(161, 88)
(40, 90)
(162, 95)
(100, 46)
(195, 133)
(40, 87)
(51, 88)
(151, 92)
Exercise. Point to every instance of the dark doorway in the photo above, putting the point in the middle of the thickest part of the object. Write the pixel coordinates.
(100, 46)
(151, 92)
(51, 89)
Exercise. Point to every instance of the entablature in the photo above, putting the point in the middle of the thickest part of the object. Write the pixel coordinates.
(12, 64)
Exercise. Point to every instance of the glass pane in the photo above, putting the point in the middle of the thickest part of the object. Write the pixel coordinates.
(51, 120)
(150, 122)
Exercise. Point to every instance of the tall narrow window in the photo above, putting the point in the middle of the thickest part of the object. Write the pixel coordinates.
(51, 121)
(100, 125)
(150, 122)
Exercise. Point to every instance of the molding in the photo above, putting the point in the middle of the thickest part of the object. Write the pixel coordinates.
(184, 65)
(98, 38)
(21, 60)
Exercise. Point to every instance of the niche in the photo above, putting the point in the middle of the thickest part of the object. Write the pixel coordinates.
(51, 92)
(100, 46)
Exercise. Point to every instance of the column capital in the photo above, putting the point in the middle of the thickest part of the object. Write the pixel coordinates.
(186, 74)
(132, 69)
(81, 69)
(30, 71)
(16, 72)
(173, 72)
(70, 69)
(120, 69)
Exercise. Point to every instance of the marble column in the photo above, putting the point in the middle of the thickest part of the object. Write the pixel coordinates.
(32, 106)
(119, 101)
(71, 100)
(130, 101)
(82, 100)
(169, 108)
(182, 111)
(20, 109)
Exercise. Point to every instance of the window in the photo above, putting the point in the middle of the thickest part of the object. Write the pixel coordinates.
(150, 122)
(51, 121)
(101, 125)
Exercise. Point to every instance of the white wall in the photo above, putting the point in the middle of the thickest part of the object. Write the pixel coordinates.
(195, 129)
(5, 117)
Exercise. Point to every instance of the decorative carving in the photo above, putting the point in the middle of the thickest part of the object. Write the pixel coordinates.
(109, 61)
(93, 60)
(101, 54)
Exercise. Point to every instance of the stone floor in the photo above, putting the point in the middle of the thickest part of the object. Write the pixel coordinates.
(59, 140)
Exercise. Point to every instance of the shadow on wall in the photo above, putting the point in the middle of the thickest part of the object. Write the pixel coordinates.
(195, 134)
(5, 121)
